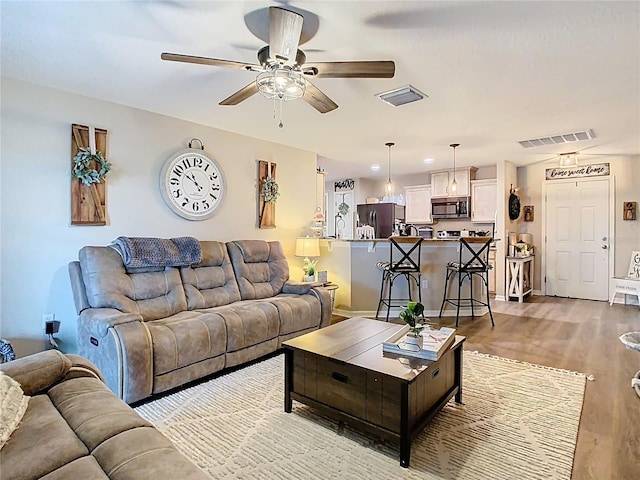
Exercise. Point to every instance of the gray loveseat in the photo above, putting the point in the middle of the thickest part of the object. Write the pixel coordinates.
(76, 428)
(152, 329)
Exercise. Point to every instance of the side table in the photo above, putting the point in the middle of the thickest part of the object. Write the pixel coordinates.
(519, 277)
(332, 287)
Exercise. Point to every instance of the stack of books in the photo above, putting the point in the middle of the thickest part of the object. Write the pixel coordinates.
(435, 341)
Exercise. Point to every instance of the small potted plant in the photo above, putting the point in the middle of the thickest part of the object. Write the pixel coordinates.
(410, 316)
(310, 270)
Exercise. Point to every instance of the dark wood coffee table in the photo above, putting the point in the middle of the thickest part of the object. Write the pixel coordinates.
(342, 372)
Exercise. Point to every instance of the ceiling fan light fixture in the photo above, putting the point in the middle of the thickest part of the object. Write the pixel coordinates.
(281, 84)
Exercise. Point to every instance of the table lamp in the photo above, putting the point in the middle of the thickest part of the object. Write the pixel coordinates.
(308, 247)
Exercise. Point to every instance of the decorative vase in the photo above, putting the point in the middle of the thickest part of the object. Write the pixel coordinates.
(414, 340)
(310, 278)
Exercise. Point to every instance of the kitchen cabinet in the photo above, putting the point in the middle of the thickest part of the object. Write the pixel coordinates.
(440, 181)
(418, 204)
(484, 195)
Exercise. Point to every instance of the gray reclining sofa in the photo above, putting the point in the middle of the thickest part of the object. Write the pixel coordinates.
(150, 329)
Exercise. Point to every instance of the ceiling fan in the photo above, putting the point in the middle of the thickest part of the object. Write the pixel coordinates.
(283, 70)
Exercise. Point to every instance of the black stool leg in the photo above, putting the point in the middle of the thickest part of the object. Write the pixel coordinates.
(444, 295)
(381, 294)
(470, 276)
(460, 279)
(392, 277)
(488, 304)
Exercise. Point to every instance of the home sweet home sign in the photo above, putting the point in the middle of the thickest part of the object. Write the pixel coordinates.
(595, 170)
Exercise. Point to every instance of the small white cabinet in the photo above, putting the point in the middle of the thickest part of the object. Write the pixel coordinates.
(418, 204)
(484, 195)
(440, 181)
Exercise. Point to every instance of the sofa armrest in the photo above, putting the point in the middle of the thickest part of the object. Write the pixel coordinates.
(39, 371)
(97, 321)
(298, 288)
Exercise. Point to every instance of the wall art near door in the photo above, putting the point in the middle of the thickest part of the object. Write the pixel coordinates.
(528, 213)
(88, 170)
(594, 170)
(268, 193)
(629, 210)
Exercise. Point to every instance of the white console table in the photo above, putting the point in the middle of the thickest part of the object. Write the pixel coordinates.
(519, 277)
(626, 286)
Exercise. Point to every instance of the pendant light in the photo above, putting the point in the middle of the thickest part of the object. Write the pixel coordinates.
(569, 159)
(453, 186)
(388, 188)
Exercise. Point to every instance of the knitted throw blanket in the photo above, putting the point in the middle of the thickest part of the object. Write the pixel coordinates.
(13, 404)
(158, 252)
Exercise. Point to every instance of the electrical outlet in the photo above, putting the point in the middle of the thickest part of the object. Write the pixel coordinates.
(425, 283)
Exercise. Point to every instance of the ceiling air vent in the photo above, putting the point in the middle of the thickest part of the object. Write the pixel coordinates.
(402, 95)
(556, 139)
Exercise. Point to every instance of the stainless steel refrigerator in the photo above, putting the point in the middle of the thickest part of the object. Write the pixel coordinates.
(381, 216)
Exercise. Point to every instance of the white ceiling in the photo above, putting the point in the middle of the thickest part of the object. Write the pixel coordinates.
(495, 73)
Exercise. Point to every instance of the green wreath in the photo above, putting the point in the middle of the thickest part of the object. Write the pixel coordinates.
(343, 209)
(270, 190)
(81, 168)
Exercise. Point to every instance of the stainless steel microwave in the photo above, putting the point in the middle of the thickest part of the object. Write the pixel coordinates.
(451, 207)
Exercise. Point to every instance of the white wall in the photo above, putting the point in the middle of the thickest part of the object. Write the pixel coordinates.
(37, 240)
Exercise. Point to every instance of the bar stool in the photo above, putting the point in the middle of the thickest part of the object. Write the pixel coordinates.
(471, 262)
(404, 260)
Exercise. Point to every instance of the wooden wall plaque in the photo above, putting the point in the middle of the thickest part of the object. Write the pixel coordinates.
(88, 206)
(266, 210)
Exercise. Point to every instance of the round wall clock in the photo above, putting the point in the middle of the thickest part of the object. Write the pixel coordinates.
(192, 184)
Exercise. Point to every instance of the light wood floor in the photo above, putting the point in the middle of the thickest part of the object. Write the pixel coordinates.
(577, 335)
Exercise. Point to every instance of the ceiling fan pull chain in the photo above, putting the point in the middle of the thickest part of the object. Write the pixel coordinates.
(281, 124)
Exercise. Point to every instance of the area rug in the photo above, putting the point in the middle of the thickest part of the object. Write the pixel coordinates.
(518, 421)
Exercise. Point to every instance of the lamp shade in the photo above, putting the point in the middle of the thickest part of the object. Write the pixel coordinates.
(307, 247)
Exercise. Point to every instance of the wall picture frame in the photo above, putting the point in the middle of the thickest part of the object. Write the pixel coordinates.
(528, 213)
(629, 210)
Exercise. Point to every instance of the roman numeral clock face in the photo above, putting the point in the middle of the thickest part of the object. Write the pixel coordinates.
(192, 185)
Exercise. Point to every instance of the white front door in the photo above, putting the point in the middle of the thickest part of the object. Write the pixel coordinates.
(577, 243)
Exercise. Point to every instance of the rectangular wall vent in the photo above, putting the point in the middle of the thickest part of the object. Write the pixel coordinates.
(402, 95)
(557, 139)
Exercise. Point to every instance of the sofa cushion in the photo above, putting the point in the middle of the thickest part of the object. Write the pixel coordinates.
(260, 267)
(92, 411)
(186, 338)
(249, 322)
(145, 449)
(211, 283)
(297, 312)
(42, 430)
(85, 468)
(151, 292)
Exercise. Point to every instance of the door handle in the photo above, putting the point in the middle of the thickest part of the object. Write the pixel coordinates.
(604, 247)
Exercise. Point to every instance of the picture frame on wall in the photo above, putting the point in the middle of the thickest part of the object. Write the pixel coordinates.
(629, 210)
(528, 213)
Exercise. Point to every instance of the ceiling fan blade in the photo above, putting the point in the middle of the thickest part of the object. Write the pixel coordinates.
(285, 27)
(177, 57)
(318, 100)
(241, 95)
(366, 69)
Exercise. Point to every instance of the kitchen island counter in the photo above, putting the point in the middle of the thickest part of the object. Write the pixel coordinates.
(352, 264)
